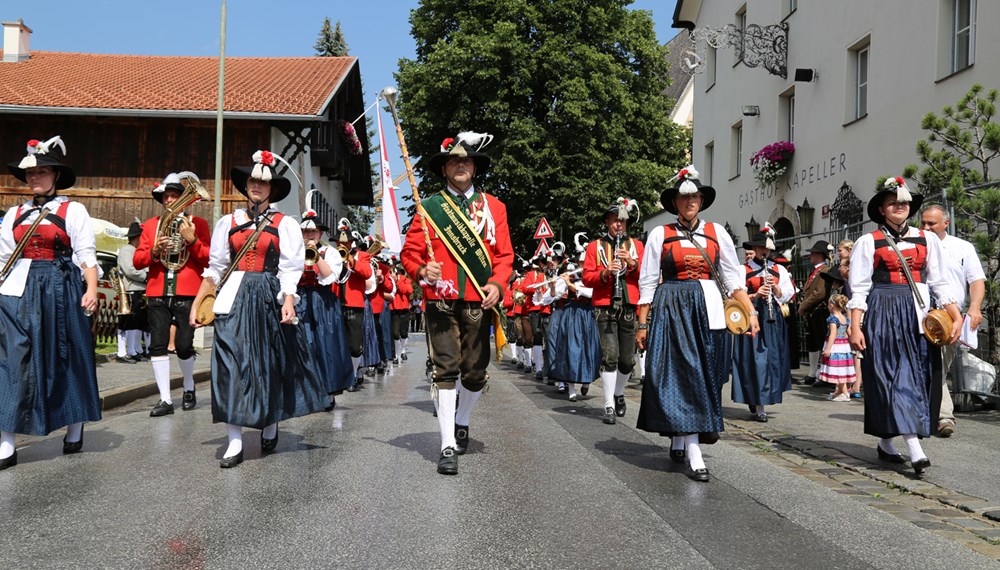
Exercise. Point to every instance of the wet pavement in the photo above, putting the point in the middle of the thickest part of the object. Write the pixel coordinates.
(545, 484)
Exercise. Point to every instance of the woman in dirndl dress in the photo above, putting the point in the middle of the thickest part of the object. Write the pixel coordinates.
(682, 323)
(575, 356)
(319, 311)
(47, 373)
(262, 369)
(901, 394)
(761, 373)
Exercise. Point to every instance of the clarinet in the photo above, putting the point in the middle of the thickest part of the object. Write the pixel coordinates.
(618, 283)
(770, 293)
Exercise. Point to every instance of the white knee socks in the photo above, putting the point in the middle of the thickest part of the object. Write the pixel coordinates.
(399, 348)
(609, 381)
(122, 345)
(356, 361)
(270, 431)
(536, 356)
(571, 388)
(187, 369)
(74, 432)
(527, 357)
(678, 442)
(6, 444)
(466, 402)
(813, 364)
(235, 435)
(133, 338)
(446, 416)
(641, 361)
(161, 372)
(913, 447)
(620, 383)
(693, 452)
(886, 444)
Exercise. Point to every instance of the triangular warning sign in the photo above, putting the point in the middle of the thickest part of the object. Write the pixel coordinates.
(544, 230)
(543, 247)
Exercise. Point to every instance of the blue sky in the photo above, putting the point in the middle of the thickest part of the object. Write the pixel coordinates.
(377, 31)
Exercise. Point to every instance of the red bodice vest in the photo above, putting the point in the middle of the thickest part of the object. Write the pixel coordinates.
(49, 240)
(265, 256)
(310, 277)
(887, 266)
(685, 263)
(755, 277)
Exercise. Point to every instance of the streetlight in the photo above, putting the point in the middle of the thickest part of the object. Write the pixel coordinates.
(805, 217)
(753, 226)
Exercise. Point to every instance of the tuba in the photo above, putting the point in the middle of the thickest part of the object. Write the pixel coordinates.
(118, 283)
(176, 254)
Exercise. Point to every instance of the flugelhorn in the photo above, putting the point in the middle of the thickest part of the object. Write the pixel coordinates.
(312, 255)
(176, 253)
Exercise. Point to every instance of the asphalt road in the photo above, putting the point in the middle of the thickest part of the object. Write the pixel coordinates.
(545, 484)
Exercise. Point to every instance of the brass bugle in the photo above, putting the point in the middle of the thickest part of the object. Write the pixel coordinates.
(312, 255)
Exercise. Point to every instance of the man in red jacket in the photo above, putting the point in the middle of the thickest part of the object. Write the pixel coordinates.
(463, 279)
(400, 307)
(352, 291)
(171, 286)
(534, 315)
(611, 267)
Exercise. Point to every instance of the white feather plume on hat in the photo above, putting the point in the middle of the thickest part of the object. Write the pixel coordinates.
(902, 191)
(39, 147)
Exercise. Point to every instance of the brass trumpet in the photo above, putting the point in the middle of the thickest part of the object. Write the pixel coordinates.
(118, 282)
(312, 255)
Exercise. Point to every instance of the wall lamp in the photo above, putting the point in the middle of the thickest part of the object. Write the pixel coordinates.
(751, 110)
(803, 75)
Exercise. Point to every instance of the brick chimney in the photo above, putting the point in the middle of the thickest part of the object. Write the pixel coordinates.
(16, 37)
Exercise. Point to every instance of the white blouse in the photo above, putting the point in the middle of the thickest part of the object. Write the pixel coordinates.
(292, 251)
(332, 258)
(730, 270)
(784, 280)
(863, 267)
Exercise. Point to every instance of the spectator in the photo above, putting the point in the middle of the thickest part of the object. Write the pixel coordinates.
(962, 270)
(131, 327)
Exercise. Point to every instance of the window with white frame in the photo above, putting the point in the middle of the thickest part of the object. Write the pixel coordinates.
(711, 56)
(861, 57)
(741, 26)
(791, 118)
(786, 109)
(736, 144)
(963, 36)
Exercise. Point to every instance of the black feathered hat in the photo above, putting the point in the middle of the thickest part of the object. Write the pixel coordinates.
(264, 169)
(687, 183)
(894, 186)
(466, 144)
(45, 153)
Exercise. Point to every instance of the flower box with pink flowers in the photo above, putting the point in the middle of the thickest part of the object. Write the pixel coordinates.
(771, 162)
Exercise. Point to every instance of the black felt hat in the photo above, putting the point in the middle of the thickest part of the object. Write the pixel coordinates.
(894, 186)
(134, 230)
(687, 183)
(263, 168)
(465, 145)
(45, 153)
(822, 246)
(763, 238)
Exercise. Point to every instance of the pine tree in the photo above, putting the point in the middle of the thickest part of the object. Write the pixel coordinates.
(331, 42)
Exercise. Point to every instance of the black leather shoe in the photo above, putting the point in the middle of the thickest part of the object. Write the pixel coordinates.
(380, 369)
(920, 465)
(520, 366)
(356, 386)
(8, 462)
(74, 447)
(677, 455)
(231, 461)
(403, 357)
(448, 463)
(268, 445)
(609, 416)
(809, 380)
(461, 439)
(189, 401)
(369, 372)
(761, 417)
(700, 475)
(584, 389)
(620, 406)
(561, 389)
(125, 359)
(889, 457)
(161, 409)
(331, 405)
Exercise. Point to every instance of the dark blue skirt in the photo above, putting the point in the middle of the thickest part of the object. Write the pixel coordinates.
(901, 395)
(573, 348)
(321, 317)
(371, 353)
(388, 344)
(686, 364)
(552, 347)
(47, 373)
(262, 371)
(761, 370)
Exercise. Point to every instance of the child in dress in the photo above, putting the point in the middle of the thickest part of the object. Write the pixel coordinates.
(837, 365)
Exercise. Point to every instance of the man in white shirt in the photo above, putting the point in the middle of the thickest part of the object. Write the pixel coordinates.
(962, 268)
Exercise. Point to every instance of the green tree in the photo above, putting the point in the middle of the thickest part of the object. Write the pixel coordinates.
(331, 43)
(572, 90)
(956, 155)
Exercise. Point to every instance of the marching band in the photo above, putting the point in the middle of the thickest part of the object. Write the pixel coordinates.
(299, 320)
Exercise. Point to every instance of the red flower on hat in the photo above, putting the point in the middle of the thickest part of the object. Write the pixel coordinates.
(446, 143)
(899, 180)
(266, 158)
(309, 214)
(33, 142)
(156, 184)
(683, 173)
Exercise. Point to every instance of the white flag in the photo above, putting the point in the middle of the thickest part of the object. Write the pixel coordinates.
(390, 216)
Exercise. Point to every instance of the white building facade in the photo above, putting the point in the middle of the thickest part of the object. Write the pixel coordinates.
(878, 68)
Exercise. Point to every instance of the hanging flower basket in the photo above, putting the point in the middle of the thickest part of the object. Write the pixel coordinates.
(350, 138)
(771, 162)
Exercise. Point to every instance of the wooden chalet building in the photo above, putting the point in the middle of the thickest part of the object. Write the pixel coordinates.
(128, 120)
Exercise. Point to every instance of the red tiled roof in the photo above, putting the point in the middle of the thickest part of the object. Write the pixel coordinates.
(284, 85)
